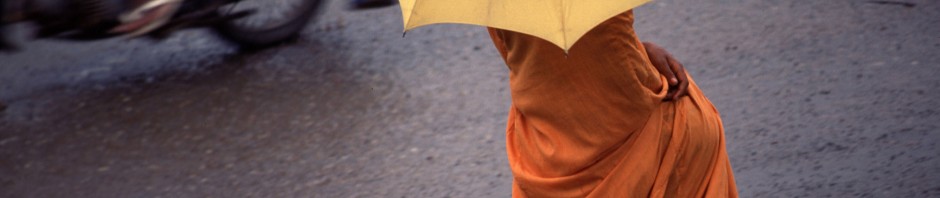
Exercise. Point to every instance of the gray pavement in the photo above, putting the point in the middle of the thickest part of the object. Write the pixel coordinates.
(819, 99)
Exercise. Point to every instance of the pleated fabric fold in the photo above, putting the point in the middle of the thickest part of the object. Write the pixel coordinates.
(592, 123)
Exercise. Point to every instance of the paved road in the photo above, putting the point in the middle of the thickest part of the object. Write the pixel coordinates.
(819, 99)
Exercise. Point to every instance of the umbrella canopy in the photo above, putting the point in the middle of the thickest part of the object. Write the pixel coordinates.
(561, 22)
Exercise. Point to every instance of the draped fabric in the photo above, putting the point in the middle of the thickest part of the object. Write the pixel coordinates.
(592, 123)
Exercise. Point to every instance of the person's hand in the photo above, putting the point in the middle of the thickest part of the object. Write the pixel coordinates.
(671, 68)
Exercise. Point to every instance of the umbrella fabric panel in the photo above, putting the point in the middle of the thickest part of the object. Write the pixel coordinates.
(560, 22)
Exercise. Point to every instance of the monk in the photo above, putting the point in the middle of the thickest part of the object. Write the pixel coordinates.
(613, 117)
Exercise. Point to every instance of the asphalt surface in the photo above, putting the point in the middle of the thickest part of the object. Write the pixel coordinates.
(819, 99)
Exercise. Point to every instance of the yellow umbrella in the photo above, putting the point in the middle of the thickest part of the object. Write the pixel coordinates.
(561, 22)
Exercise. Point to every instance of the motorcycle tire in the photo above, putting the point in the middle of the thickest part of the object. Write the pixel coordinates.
(272, 33)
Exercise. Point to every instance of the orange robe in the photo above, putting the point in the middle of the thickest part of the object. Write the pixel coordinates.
(593, 124)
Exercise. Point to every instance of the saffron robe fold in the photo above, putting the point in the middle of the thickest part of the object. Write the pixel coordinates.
(592, 123)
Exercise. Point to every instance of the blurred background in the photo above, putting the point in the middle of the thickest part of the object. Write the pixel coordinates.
(819, 99)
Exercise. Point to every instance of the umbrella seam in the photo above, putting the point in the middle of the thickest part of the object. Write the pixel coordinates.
(564, 33)
(410, 16)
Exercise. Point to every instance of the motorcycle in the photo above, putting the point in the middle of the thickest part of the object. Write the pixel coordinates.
(251, 24)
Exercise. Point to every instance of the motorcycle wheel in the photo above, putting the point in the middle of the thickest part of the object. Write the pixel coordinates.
(273, 21)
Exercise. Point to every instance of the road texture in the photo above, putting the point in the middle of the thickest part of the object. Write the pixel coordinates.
(819, 99)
